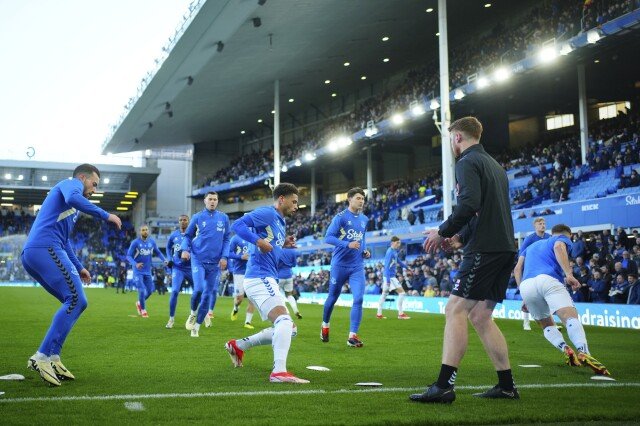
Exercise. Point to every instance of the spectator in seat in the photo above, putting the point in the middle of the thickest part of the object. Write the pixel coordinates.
(597, 288)
(634, 290)
(619, 292)
(634, 180)
(628, 264)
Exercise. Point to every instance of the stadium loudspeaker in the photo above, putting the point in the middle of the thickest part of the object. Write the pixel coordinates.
(220, 46)
(189, 81)
(257, 22)
(262, 2)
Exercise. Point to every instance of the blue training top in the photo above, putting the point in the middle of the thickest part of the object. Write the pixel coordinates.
(391, 262)
(174, 250)
(541, 259)
(530, 239)
(58, 216)
(207, 237)
(237, 249)
(345, 228)
(269, 225)
(142, 251)
(286, 262)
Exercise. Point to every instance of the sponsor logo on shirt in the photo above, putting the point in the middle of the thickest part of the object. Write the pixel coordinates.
(354, 235)
(145, 251)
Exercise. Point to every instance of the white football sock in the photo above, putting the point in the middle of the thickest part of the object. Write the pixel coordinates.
(577, 335)
(196, 327)
(248, 318)
(526, 316)
(39, 356)
(325, 324)
(194, 313)
(553, 335)
(264, 337)
(383, 297)
(400, 303)
(352, 334)
(282, 328)
(55, 358)
(293, 303)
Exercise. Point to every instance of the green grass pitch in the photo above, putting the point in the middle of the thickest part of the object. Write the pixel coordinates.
(120, 358)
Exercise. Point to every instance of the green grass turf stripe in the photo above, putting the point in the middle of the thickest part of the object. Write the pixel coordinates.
(296, 392)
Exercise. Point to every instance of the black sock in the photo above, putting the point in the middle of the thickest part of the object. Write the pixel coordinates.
(505, 380)
(447, 376)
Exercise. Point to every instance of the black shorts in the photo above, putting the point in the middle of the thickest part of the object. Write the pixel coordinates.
(484, 276)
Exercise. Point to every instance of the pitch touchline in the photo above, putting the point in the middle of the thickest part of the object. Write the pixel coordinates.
(293, 392)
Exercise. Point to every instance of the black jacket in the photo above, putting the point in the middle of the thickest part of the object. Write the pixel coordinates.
(482, 195)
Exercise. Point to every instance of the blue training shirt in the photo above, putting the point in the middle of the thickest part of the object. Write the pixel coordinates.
(142, 251)
(207, 236)
(269, 225)
(58, 215)
(286, 262)
(541, 259)
(174, 250)
(237, 249)
(530, 239)
(345, 228)
(391, 262)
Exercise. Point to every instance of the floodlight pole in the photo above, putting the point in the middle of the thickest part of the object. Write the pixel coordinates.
(445, 119)
(369, 175)
(314, 193)
(582, 105)
(276, 133)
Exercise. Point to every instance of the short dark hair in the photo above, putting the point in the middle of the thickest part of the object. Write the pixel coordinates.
(470, 126)
(354, 191)
(561, 229)
(210, 193)
(284, 189)
(86, 169)
(394, 239)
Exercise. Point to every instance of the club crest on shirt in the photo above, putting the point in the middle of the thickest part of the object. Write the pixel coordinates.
(204, 223)
(220, 225)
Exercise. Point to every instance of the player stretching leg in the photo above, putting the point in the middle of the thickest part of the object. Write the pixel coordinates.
(391, 262)
(285, 277)
(49, 258)
(346, 233)
(544, 294)
(139, 256)
(180, 269)
(265, 228)
(206, 244)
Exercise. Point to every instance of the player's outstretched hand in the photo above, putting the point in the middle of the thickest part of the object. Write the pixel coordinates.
(115, 220)
(433, 241)
(354, 245)
(185, 255)
(366, 254)
(139, 265)
(264, 246)
(85, 276)
(572, 281)
(222, 264)
(289, 242)
(451, 244)
(245, 256)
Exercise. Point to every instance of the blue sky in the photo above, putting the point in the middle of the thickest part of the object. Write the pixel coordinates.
(68, 67)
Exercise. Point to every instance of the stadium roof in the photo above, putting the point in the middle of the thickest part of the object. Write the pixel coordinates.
(302, 44)
(28, 182)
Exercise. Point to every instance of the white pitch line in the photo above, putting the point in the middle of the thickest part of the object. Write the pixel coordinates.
(297, 392)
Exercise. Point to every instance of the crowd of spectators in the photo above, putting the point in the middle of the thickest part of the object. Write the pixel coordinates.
(606, 265)
(505, 43)
(15, 221)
